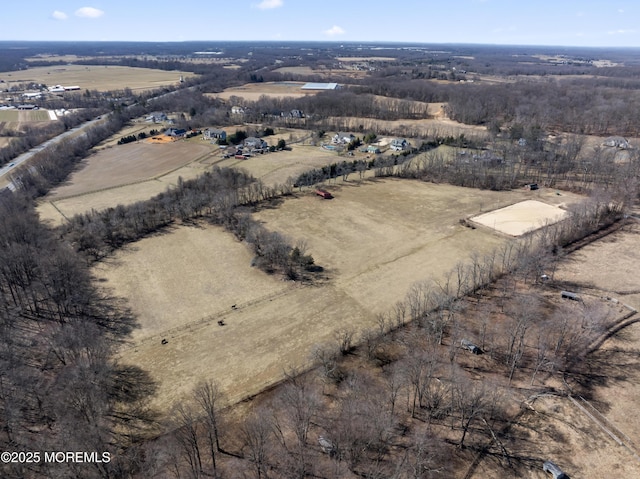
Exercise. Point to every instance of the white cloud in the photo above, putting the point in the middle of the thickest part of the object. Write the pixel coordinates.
(334, 30)
(89, 12)
(504, 29)
(269, 4)
(58, 15)
(620, 32)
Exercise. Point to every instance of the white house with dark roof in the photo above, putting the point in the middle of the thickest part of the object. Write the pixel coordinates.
(399, 144)
(342, 138)
(254, 143)
(156, 117)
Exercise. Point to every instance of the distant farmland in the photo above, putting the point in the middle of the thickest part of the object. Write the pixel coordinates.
(97, 77)
(24, 115)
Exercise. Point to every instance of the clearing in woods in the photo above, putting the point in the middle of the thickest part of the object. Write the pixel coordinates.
(253, 91)
(375, 239)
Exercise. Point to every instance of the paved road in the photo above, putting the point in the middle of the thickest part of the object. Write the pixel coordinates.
(25, 157)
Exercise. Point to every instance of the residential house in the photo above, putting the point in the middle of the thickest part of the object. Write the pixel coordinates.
(295, 114)
(373, 149)
(237, 110)
(252, 143)
(342, 138)
(399, 144)
(214, 134)
(156, 117)
(175, 132)
(616, 142)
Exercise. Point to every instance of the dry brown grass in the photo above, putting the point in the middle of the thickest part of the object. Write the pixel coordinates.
(375, 240)
(97, 77)
(124, 174)
(253, 91)
(125, 164)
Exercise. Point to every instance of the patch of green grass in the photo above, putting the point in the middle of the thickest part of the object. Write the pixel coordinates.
(38, 115)
(11, 115)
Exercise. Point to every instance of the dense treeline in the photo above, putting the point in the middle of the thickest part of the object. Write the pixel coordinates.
(584, 106)
(62, 389)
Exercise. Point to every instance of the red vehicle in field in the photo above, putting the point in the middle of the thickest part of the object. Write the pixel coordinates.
(324, 194)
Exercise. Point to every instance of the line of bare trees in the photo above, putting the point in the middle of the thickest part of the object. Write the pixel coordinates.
(61, 388)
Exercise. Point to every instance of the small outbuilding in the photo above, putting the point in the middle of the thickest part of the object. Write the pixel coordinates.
(327, 446)
(570, 295)
(470, 346)
(554, 470)
(373, 149)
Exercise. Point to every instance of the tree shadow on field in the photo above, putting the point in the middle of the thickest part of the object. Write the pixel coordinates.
(605, 368)
(271, 204)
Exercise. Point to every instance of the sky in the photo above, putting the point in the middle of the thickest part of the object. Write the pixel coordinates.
(609, 23)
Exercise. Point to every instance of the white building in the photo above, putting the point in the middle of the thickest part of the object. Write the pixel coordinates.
(399, 144)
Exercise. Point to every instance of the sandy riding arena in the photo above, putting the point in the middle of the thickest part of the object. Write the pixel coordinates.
(521, 218)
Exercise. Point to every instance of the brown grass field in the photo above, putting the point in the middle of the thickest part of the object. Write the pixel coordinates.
(96, 77)
(24, 115)
(124, 174)
(375, 239)
(129, 163)
(253, 91)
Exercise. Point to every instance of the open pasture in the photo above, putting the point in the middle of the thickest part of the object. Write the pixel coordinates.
(24, 115)
(375, 239)
(124, 174)
(253, 91)
(276, 167)
(438, 126)
(96, 77)
(124, 164)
